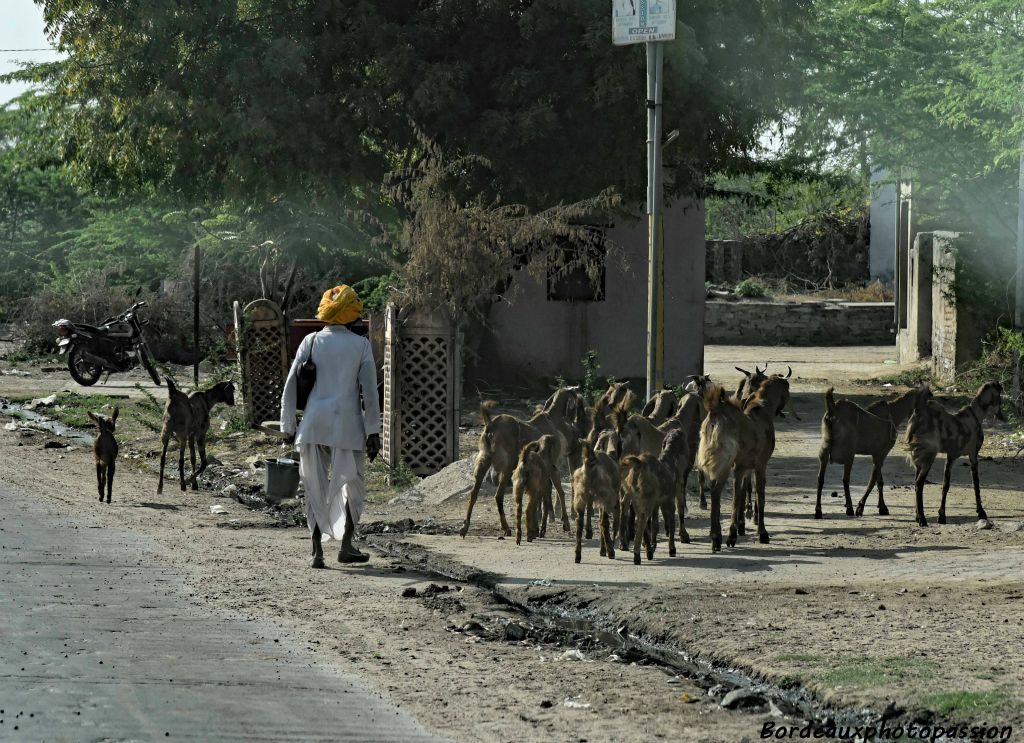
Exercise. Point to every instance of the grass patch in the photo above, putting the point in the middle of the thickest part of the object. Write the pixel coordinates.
(867, 672)
(966, 703)
(909, 378)
(73, 409)
(798, 658)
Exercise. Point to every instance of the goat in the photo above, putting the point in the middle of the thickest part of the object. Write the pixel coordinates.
(763, 407)
(848, 429)
(532, 479)
(750, 382)
(617, 398)
(187, 418)
(501, 441)
(687, 418)
(933, 429)
(104, 448)
(639, 491)
(596, 484)
(660, 407)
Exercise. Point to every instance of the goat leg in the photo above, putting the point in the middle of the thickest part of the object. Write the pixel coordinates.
(738, 493)
(823, 456)
(716, 514)
(702, 486)
(99, 478)
(846, 487)
(590, 516)
(181, 465)
(883, 510)
(517, 495)
(668, 511)
(110, 478)
(923, 466)
(947, 472)
(977, 487)
(606, 537)
(749, 503)
(499, 500)
(482, 465)
(762, 532)
(580, 516)
(192, 461)
(164, 441)
(864, 498)
(556, 480)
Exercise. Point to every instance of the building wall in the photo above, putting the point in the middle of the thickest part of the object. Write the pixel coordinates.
(882, 246)
(530, 338)
(799, 323)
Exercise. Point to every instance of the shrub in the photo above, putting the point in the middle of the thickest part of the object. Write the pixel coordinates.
(751, 288)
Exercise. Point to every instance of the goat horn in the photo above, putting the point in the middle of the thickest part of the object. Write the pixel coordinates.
(760, 371)
(743, 371)
(789, 374)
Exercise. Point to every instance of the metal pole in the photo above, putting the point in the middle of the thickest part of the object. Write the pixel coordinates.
(1019, 314)
(655, 245)
(195, 313)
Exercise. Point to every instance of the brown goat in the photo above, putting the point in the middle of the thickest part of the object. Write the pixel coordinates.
(848, 429)
(532, 479)
(660, 407)
(648, 485)
(616, 399)
(104, 449)
(596, 485)
(187, 419)
(725, 432)
(750, 382)
(501, 441)
(687, 418)
(933, 429)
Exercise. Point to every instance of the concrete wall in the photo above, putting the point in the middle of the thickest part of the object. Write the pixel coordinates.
(529, 337)
(799, 323)
(882, 244)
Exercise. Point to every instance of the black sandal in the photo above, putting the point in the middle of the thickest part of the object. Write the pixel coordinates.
(349, 557)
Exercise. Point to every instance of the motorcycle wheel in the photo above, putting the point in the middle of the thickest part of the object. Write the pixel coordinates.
(147, 362)
(84, 372)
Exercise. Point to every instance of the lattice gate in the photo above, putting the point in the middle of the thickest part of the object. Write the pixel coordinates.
(262, 357)
(422, 386)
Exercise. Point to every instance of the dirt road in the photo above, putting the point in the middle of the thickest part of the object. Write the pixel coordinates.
(872, 612)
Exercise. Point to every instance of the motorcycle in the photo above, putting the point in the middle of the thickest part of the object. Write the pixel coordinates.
(117, 345)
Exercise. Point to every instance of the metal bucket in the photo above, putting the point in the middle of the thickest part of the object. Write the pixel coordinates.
(281, 480)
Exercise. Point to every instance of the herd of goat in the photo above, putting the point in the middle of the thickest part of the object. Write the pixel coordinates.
(628, 467)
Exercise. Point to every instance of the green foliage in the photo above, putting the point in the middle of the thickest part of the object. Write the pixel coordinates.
(376, 291)
(73, 409)
(751, 288)
(273, 103)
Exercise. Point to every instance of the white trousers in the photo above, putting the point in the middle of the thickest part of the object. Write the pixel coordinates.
(333, 479)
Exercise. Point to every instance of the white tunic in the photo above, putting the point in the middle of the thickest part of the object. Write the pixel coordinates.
(333, 415)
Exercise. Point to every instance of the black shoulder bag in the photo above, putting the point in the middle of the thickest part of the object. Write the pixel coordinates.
(305, 379)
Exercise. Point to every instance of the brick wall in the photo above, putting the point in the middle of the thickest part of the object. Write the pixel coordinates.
(799, 323)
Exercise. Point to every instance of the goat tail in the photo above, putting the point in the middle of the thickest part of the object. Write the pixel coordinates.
(172, 388)
(830, 402)
(486, 407)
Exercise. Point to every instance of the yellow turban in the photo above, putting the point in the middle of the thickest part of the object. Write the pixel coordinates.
(340, 306)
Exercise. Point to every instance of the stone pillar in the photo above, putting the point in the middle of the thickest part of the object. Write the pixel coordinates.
(882, 240)
(904, 238)
(915, 341)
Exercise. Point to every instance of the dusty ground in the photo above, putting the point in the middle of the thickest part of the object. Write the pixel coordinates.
(861, 611)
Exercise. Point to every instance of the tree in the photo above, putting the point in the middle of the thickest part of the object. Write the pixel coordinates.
(270, 96)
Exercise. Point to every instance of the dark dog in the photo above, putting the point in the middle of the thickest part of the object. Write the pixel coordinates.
(105, 450)
(187, 418)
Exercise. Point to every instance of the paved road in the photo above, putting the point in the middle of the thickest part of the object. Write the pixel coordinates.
(98, 642)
